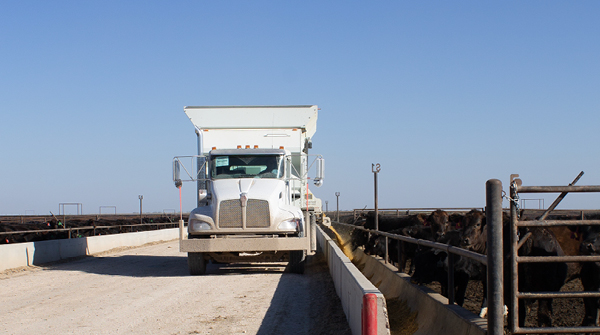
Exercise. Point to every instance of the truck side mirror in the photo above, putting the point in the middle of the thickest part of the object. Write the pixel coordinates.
(320, 171)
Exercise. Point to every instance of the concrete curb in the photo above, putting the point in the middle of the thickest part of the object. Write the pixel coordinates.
(351, 286)
(37, 253)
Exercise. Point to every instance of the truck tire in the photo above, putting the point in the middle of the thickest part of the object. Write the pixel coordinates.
(297, 261)
(196, 263)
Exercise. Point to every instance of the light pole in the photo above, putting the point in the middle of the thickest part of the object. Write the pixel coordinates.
(326, 206)
(375, 168)
(337, 195)
(140, 197)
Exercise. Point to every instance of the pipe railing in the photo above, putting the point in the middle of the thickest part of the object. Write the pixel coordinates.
(71, 229)
(408, 211)
(515, 190)
(450, 250)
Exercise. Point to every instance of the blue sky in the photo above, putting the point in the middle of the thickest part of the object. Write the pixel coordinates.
(444, 95)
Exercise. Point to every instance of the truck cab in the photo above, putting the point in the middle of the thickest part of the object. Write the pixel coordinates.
(254, 202)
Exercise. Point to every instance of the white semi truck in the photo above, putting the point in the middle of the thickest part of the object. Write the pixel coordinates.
(252, 173)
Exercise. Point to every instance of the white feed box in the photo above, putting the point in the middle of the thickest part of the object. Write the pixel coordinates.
(267, 127)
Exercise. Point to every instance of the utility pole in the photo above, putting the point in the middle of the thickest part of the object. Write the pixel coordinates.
(140, 197)
(375, 168)
(337, 195)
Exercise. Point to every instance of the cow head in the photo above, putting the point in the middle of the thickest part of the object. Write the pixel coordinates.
(358, 237)
(591, 241)
(438, 220)
(376, 246)
(473, 236)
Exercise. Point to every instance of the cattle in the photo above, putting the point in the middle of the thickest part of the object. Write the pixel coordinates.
(435, 228)
(439, 223)
(359, 237)
(431, 227)
(535, 277)
(385, 223)
(590, 273)
(389, 223)
(398, 252)
(455, 220)
(432, 265)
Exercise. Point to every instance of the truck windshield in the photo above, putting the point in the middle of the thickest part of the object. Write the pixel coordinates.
(245, 166)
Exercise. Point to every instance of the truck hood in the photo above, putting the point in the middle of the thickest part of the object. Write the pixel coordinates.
(271, 190)
(254, 188)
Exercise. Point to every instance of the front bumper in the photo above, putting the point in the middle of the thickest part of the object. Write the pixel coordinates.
(244, 243)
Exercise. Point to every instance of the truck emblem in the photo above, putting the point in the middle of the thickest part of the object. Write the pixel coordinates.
(243, 199)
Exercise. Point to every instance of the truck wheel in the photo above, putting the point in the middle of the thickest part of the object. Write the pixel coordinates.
(297, 261)
(196, 263)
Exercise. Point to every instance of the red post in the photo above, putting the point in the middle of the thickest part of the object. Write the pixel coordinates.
(369, 314)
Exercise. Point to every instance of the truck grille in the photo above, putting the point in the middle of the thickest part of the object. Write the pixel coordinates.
(257, 214)
(230, 214)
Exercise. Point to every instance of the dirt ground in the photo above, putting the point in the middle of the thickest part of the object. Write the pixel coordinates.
(147, 290)
(567, 312)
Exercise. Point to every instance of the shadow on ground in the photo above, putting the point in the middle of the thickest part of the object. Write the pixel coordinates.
(306, 304)
(155, 266)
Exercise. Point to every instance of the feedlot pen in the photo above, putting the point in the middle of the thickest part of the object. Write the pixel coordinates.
(567, 305)
(33, 228)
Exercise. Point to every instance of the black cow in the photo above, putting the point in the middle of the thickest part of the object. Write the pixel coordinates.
(434, 229)
(431, 228)
(432, 265)
(385, 223)
(535, 277)
(590, 273)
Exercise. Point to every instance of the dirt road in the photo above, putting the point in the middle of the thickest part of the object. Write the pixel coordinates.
(147, 290)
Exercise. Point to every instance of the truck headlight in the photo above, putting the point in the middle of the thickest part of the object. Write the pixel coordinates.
(290, 224)
(199, 225)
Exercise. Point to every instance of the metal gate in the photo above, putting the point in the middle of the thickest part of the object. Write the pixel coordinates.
(517, 241)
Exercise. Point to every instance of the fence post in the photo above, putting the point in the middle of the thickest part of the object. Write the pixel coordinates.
(369, 314)
(493, 213)
(387, 256)
(451, 292)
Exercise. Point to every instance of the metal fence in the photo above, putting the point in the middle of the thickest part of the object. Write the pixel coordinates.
(516, 188)
(450, 250)
(71, 224)
(70, 230)
(494, 260)
(408, 211)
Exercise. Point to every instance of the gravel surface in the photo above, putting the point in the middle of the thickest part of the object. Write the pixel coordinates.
(147, 290)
